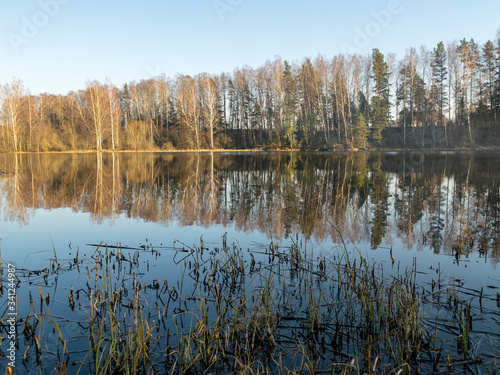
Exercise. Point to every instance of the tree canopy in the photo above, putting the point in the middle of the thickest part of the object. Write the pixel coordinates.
(446, 97)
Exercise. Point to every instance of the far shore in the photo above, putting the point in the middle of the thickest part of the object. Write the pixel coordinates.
(261, 150)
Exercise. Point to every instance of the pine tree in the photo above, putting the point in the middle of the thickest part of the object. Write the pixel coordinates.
(439, 74)
(380, 100)
(488, 65)
(361, 132)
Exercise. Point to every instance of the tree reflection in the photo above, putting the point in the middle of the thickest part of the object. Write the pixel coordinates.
(449, 202)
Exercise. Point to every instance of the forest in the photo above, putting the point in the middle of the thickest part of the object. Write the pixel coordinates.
(447, 97)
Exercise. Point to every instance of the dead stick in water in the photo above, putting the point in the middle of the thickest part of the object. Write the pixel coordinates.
(465, 362)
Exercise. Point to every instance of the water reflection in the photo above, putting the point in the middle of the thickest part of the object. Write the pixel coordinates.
(447, 201)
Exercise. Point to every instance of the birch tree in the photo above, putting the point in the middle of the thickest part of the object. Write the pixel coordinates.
(12, 95)
(468, 54)
(97, 106)
(188, 105)
(210, 100)
(115, 114)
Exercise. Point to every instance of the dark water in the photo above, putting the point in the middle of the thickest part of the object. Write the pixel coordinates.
(442, 209)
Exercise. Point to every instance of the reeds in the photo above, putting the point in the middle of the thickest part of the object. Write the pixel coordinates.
(266, 310)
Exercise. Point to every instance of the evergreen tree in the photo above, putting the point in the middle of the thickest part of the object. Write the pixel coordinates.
(489, 65)
(361, 132)
(380, 100)
(439, 74)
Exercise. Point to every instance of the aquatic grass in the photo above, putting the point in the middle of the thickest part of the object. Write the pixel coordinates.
(464, 320)
(116, 346)
(283, 310)
(61, 367)
(185, 355)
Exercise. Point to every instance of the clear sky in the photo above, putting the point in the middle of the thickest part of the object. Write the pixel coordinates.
(56, 46)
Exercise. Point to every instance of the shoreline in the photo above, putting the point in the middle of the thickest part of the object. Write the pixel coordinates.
(260, 150)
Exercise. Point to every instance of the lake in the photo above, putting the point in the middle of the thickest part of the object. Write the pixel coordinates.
(429, 205)
(436, 211)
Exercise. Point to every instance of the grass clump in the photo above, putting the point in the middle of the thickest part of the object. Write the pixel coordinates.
(267, 310)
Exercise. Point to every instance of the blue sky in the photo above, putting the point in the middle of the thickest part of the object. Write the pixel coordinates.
(57, 45)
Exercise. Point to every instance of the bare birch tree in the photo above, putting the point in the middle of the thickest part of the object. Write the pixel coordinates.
(12, 95)
(210, 100)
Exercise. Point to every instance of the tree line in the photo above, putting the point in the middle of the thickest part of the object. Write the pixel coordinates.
(444, 97)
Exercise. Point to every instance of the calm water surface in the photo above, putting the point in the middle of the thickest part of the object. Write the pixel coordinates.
(442, 208)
